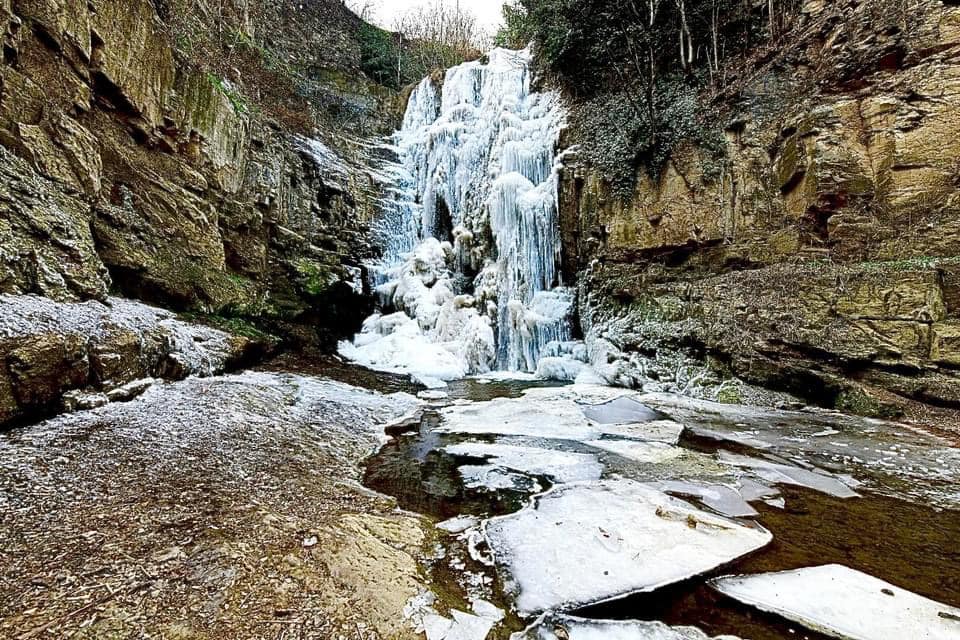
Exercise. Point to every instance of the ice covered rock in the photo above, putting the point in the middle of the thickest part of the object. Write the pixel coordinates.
(844, 603)
(558, 466)
(582, 544)
(561, 627)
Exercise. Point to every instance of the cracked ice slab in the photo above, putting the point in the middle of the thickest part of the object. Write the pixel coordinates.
(560, 627)
(583, 544)
(844, 603)
(559, 466)
(560, 414)
(779, 473)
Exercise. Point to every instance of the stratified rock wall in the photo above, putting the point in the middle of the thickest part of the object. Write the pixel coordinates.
(127, 166)
(825, 255)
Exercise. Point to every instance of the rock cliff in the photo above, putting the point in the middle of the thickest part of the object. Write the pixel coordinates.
(164, 151)
(197, 156)
(823, 258)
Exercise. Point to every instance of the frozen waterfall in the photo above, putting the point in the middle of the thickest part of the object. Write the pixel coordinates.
(469, 281)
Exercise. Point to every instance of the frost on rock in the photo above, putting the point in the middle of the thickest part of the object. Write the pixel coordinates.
(844, 603)
(558, 466)
(582, 544)
(193, 349)
(561, 627)
(470, 229)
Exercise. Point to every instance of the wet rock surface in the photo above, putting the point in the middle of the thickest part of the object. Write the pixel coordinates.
(208, 508)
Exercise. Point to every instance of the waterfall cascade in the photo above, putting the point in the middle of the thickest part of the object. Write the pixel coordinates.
(470, 229)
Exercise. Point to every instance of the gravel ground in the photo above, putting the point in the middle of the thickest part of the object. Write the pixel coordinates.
(226, 507)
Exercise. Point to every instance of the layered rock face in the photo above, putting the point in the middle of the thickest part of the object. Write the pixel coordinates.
(126, 166)
(824, 257)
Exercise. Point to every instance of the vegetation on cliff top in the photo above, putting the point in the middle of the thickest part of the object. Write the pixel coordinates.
(640, 69)
(431, 37)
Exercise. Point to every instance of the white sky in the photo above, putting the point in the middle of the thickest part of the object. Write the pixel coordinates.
(487, 11)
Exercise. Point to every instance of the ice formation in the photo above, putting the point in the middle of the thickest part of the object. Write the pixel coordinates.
(470, 229)
(558, 466)
(561, 627)
(580, 544)
(782, 473)
(844, 603)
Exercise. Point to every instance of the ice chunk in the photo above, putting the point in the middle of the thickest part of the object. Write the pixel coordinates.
(559, 418)
(622, 410)
(494, 478)
(463, 626)
(718, 497)
(666, 431)
(561, 627)
(844, 603)
(642, 452)
(780, 473)
(458, 524)
(562, 368)
(751, 490)
(488, 610)
(586, 543)
(558, 466)
(396, 344)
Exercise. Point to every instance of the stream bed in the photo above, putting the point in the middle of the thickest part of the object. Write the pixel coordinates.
(902, 526)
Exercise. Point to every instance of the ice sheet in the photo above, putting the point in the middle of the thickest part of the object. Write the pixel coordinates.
(554, 417)
(587, 543)
(558, 466)
(845, 603)
(779, 473)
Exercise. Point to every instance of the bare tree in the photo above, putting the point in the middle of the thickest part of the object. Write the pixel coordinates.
(440, 35)
(366, 9)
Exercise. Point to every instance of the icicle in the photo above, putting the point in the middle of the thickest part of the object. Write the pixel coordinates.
(478, 192)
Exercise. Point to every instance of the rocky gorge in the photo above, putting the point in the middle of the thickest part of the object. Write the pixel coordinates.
(646, 411)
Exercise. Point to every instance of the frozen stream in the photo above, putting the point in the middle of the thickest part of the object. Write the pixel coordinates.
(584, 512)
(823, 488)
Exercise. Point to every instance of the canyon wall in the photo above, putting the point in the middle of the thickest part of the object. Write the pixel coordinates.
(195, 156)
(823, 256)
